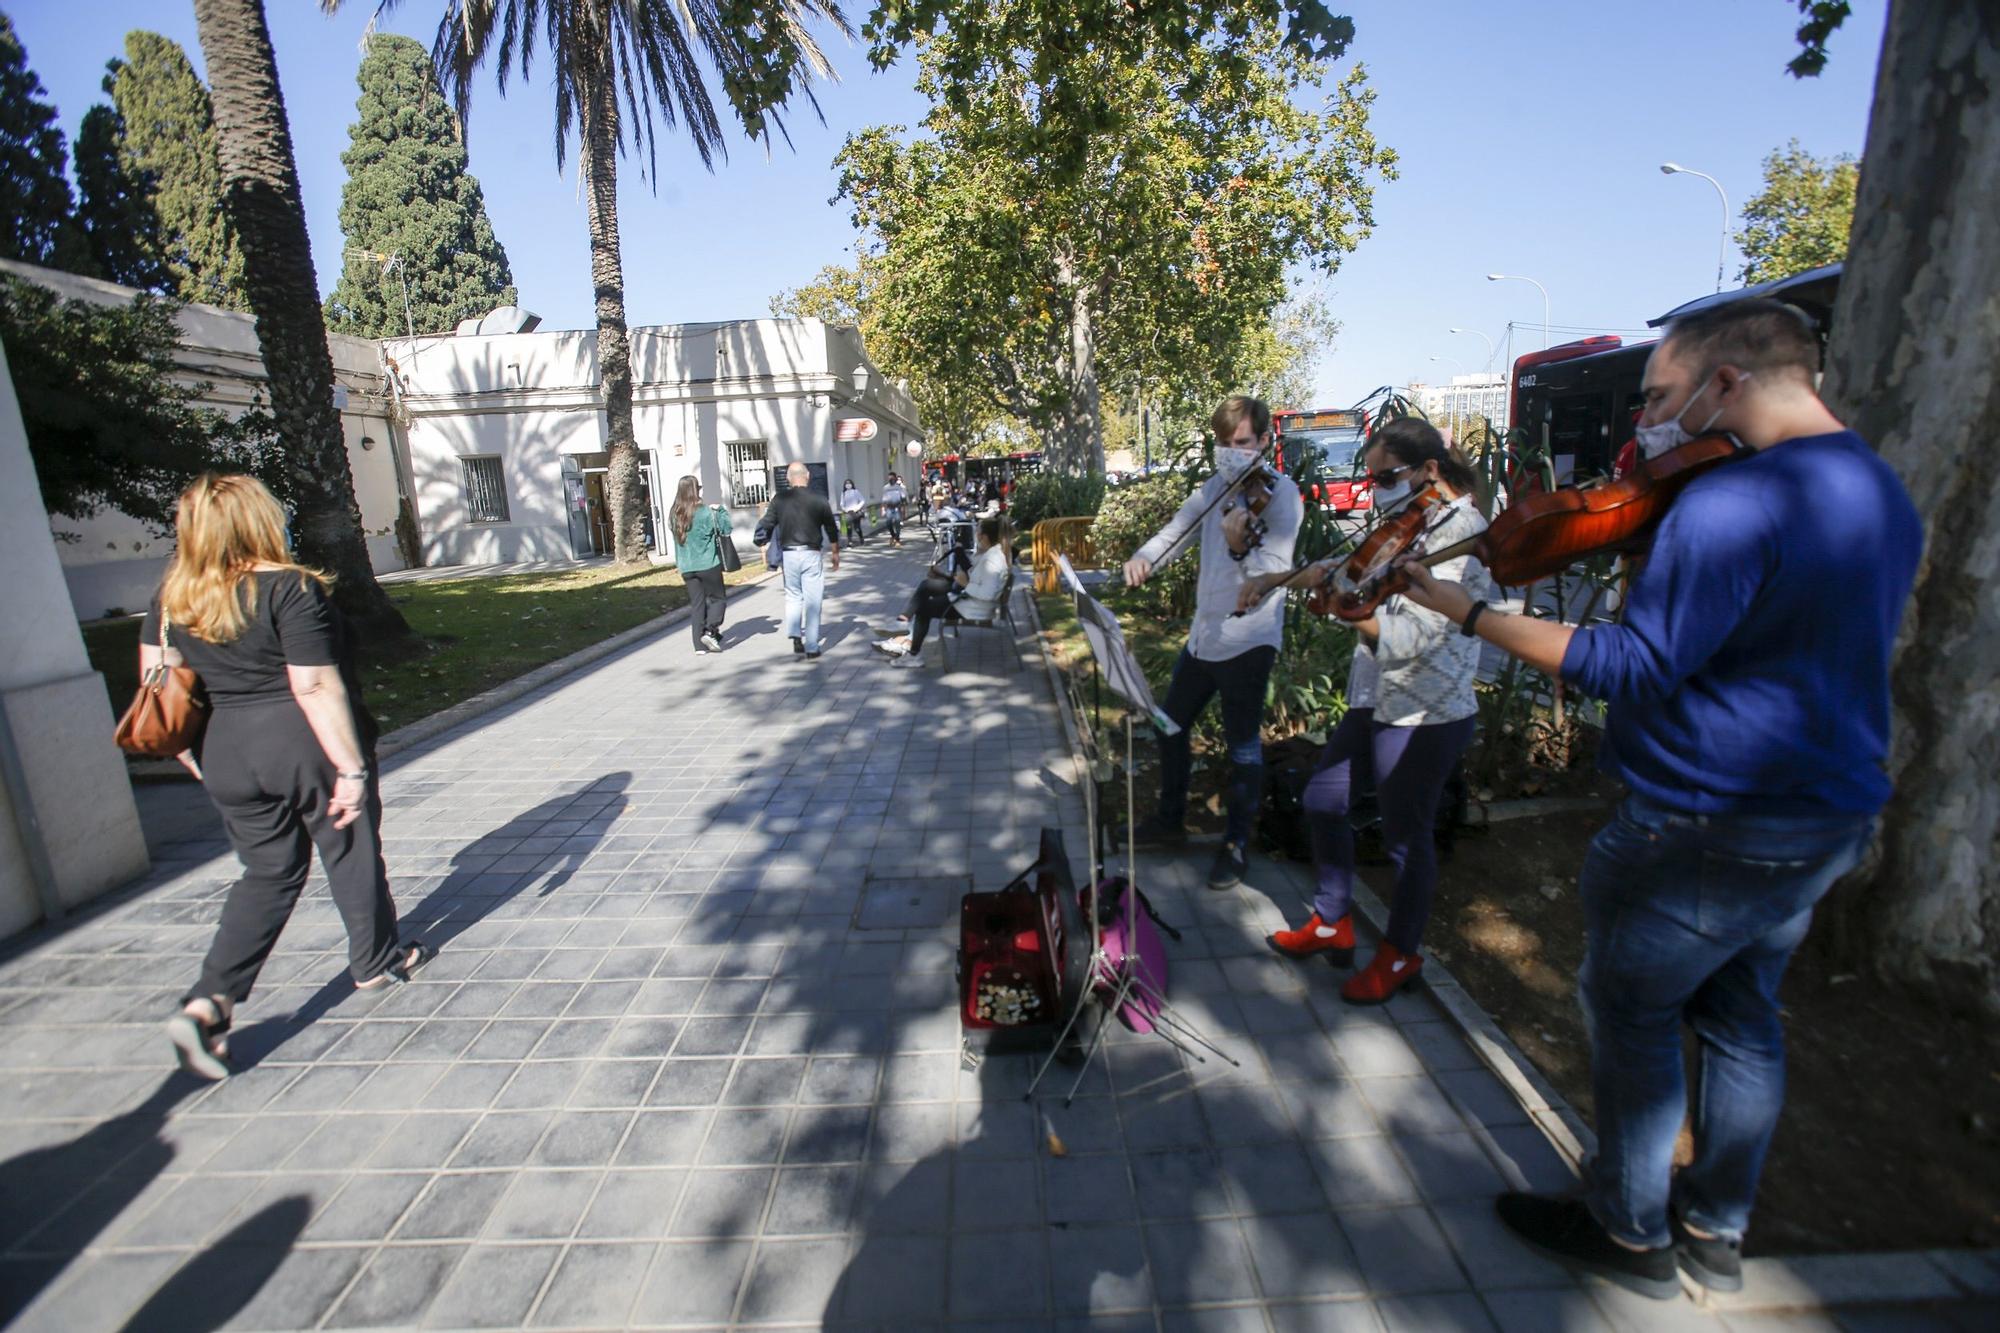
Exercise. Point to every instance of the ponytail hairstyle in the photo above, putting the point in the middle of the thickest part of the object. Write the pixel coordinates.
(687, 498)
(226, 526)
(1412, 441)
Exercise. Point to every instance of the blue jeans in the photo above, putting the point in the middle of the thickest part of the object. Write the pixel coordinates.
(1409, 767)
(1692, 918)
(805, 585)
(1241, 681)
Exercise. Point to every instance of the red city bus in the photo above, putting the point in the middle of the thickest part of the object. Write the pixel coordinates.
(1335, 435)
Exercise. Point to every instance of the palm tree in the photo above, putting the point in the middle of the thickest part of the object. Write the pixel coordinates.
(261, 195)
(615, 65)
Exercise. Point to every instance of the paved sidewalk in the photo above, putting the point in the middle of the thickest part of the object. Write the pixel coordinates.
(688, 1057)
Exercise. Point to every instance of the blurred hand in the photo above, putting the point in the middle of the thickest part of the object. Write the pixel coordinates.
(1137, 571)
(348, 796)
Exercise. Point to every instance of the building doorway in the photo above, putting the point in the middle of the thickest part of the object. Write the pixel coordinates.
(597, 504)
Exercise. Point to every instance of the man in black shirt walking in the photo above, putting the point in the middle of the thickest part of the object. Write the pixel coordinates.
(799, 519)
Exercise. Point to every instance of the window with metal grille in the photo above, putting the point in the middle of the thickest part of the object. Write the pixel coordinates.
(749, 473)
(485, 490)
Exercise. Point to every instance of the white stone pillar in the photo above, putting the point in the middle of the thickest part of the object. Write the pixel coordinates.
(68, 827)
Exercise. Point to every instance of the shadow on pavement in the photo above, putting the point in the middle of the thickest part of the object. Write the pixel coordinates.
(215, 1285)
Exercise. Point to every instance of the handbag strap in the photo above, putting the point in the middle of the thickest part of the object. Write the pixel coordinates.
(165, 621)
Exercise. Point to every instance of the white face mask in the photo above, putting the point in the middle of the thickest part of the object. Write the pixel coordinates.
(1388, 497)
(1232, 462)
(1667, 436)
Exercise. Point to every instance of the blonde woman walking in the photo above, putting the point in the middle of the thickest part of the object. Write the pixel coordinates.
(288, 757)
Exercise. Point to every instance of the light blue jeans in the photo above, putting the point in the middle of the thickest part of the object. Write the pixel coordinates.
(1691, 919)
(805, 585)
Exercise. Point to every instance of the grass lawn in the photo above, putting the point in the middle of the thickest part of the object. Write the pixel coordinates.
(471, 634)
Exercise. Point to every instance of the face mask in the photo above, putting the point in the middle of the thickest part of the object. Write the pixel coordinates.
(1666, 436)
(1388, 497)
(1232, 463)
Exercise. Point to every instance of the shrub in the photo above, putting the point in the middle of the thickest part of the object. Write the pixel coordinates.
(1054, 495)
(1128, 518)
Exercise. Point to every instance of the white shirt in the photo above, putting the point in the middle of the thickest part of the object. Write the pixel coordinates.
(981, 597)
(851, 499)
(1216, 634)
(1421, 668)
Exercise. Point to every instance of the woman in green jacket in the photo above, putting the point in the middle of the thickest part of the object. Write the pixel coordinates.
(698, 529)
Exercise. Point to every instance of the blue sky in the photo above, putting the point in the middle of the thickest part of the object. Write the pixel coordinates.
(1530, 133)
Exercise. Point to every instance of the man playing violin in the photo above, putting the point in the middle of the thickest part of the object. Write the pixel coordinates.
(1246, 518)
(1410, 715)
(1748, 692)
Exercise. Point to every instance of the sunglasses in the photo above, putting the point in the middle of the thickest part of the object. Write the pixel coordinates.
(1388, 477)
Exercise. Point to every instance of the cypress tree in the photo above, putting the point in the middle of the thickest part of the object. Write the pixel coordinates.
(35, 221)
(167, 157)
(115, 209)
(409, 195)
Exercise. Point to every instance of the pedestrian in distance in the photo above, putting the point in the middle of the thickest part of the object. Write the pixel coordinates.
(1747, 692)
(1227, 654)
(801, 522)
(1410, 714)
(288, 755)
(893, 499)
(854, 510)
(699, 531)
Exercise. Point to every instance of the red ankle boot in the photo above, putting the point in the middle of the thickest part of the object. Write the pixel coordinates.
(1334, 939)
(1388, 972)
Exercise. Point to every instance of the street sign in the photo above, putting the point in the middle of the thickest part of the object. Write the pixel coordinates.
(853, 430)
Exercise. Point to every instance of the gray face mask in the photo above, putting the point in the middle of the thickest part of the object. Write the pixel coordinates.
(1667, 436)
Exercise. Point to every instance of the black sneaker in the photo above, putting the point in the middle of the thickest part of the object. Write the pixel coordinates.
(712, 641)
(812, 657)
(1563, 1230)
(798, 646)
(1710, 1260)
(1230, 864)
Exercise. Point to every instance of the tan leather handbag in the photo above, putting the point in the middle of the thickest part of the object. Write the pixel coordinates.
(170, 711)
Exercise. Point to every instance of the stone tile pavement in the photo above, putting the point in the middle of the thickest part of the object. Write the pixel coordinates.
(688, 1058)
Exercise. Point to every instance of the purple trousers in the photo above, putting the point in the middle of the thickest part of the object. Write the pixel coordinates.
(1409, 767)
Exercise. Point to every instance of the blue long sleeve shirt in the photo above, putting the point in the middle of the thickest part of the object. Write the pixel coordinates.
(1751, 672)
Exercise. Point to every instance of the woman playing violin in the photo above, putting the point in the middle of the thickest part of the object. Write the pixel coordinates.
(1410, 715)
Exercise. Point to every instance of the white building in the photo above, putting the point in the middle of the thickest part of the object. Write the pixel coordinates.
(507, 435)
(1465, 400)
(113, 562)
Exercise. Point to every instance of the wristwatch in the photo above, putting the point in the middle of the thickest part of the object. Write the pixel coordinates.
(361, 776)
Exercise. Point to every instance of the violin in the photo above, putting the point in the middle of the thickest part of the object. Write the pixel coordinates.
(1255, 489)
(1531, 539)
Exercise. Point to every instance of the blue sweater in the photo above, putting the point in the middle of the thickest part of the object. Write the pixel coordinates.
(1751, 673)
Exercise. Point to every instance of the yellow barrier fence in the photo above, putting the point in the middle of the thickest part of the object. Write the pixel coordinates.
(1061, 536)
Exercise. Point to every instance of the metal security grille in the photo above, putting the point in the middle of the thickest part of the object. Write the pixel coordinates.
(749, 473)
(485, 491)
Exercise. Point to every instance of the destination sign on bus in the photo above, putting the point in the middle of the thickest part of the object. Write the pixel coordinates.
(1342, 419)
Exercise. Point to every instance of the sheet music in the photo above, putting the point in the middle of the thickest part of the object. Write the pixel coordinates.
(1107, 642)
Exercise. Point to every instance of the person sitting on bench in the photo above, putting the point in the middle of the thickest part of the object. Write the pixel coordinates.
(956, 588)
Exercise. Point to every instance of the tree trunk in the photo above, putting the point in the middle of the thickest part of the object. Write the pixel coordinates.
(1080, 429)
(1916, 335)
(622, 484)
(261, 196)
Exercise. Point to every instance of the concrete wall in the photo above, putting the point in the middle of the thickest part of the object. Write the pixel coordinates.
(112, 562)
(68, 828)
(529, 399)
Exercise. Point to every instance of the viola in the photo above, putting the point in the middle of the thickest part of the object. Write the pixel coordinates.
(1534, 538)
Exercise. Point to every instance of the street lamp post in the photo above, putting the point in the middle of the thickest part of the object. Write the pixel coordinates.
(1515, 277)
(1483, 338)
(1454, 360)
(1722, 246)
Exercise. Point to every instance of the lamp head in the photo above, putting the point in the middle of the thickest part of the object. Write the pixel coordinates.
(1495, 277)
(1669, 168)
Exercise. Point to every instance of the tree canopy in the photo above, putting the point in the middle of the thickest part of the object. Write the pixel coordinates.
(410, 197)
(166, 157)
(1800, 220)
(1025, 268)
(110, 422)
(35, 201)
(114, 208)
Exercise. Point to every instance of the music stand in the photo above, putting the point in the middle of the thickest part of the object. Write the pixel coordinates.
(1115, 981)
